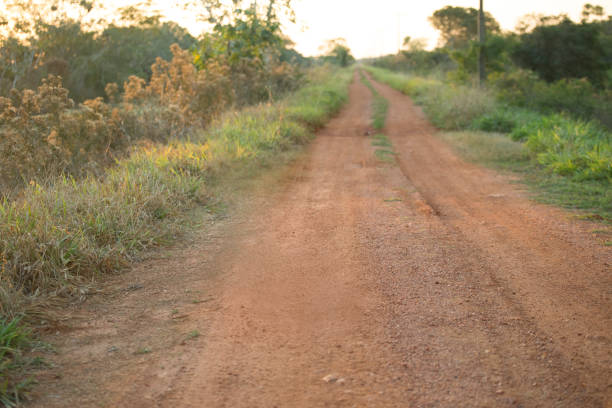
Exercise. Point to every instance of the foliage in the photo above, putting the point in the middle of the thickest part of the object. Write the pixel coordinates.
(420, 62)
(337, 52)
(497, 50)
(84, 57)
(14, 339)
(42, 134)
(565, 146)
(59, 235)
(577, 97)
(504, 119)
(253, 50)
(564, 50)
(459, 25)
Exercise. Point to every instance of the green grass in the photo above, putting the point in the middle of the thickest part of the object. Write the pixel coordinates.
(59, 238)
(498, 151)
(15, 340)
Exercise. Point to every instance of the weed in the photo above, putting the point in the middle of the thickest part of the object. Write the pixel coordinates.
(383, 155)
(381, 140)
(142, 350)
(193, 335)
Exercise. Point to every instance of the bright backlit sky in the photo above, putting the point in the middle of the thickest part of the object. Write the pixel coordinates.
(374, 28)
(371, 27)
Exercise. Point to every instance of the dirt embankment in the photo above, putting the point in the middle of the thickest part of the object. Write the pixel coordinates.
(352, 282)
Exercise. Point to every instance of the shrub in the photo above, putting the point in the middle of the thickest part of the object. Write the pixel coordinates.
(577, 97)
(504, 119)
(568, 147)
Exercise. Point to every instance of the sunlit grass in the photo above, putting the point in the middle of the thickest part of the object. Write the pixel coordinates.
(63, 234)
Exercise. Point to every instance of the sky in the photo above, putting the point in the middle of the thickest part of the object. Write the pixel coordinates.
(374, 28)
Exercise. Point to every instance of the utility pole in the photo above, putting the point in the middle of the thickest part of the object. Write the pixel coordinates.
(482, 74)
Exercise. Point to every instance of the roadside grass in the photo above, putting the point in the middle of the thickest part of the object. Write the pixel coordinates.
(58, 238)
(565, 161)
(496, 150)
(16, 340)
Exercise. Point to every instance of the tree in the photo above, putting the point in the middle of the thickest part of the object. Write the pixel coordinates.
(250, 42)
(564, 50)
(414, 44)
(459, 25)
(337, 52)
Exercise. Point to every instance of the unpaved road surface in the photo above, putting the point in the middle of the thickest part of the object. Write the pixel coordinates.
(349, 282)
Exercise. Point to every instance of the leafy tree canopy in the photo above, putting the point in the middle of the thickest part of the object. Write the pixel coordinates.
(566, 50)
(242, 34)
(459, 25)
(337, 52)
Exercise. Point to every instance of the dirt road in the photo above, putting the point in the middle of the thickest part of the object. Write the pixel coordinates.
(352, 282)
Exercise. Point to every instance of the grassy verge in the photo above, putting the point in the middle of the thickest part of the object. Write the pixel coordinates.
(58, 238)
(566, 161)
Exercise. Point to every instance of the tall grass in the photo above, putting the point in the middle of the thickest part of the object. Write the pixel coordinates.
(63, 234)
(56, 238)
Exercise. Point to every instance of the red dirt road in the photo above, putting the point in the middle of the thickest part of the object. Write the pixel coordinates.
(355, 283)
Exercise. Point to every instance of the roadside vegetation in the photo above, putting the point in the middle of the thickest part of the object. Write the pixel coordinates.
(93, 173)
(550, 122)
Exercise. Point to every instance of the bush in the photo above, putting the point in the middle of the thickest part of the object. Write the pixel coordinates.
(581, 150)
(504, 119)
(574, 96)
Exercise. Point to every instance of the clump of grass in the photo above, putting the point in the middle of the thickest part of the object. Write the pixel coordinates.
(142, 351)
(381, 140)
(385, 152)
(15, 338)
